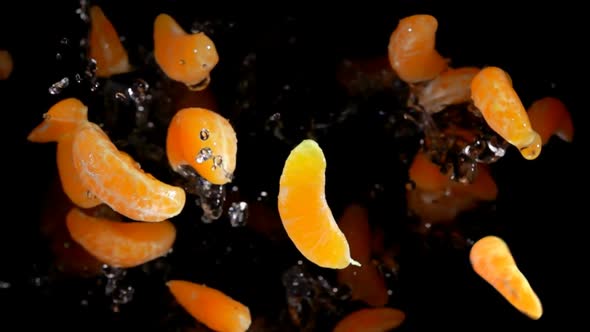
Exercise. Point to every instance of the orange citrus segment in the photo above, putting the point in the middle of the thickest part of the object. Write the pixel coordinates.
(211, 307)
(120, 244)
(427, 175)
(70, 180)
(371, 320)
(117, 180)
(62, 118)
(183, 57)
(491, 259)
(204, 140)
(6, 64)
(305, 214)
(549, 116)
(105, 46)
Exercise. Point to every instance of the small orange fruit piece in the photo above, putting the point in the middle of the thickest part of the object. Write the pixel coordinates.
(204, 140)
(117, 180)
(304, 211)
(493, 95)
(183, 57)
(549, 116)
(412, 52)
(211, 307)
(492, 260)
(105, 46)
(118, 243)
(371, 320)
(6, 64)
(62, 118)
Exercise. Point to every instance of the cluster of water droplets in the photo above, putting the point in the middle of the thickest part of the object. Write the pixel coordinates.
(116, 287)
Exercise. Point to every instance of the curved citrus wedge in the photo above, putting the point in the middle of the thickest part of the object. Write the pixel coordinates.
(62, 118)
(118, 243)
(549, 116)
(371, 320)
(117, 180)
(6, 64)
(105, 46)
(305, 214)
(211, 307)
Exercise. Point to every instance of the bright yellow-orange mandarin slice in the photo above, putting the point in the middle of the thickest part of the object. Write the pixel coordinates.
(105, 46)
(183, 57)
(62, 118)
(493, 95)
(491, 259)
(204, 140)
(211, 307)
(304, 211)
(118, 243)
(117, 180)
(549, 116)
(371, 320)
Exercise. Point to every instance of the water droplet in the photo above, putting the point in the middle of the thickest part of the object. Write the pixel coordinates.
(78, 78)
(4, 284)
(204, 155)
(275, 117)
(64, 41)
(217, 162)
(83, 11)
(90, 195)
(120, 96)
(57, 87)
(204, 134)
(84, 303)
(58, 56)
(238, 213)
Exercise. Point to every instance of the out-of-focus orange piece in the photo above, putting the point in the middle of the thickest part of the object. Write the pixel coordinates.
(451, 87)
(427, 175)
(412, 51)
(117, 180)
(365, 281)
(204, 140)
(62, 118)
(492, 260)
(105, 46)
(184, 57)
(304, 211)
(211, 307)
(493, 95)
(371, 320)
(549, 116)
(6, 64)
(118, 243)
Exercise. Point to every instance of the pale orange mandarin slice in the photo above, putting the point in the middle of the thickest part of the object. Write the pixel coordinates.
(204, 140)
(117, 180)
(451, 87)
(426, 174)
(70, 179)
(304, 211)
(371, 320)
(62, 118)
(211, 307)
(183, 57)
(118, 243)
(105, 46)
(492, 260)
(6, 64)
(549, 116)
(493, 95)
(411, 49)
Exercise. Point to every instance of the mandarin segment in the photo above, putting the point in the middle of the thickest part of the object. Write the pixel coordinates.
(120, 244)
(117, 180)
(371, 320)
(549, 116)
(204, 140)
(211, 307)
(304, 211)
(494, 96)
(105, 46)
(492, 261)
(183, 57)
(62, 118)
(451, 87)
(411, 49)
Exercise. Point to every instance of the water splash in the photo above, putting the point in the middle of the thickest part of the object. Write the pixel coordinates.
(116, 287)
(238, 214)
(139, 94)
(59, 86)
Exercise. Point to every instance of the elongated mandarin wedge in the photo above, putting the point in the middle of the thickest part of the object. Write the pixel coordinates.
(211, 307)
(549, 116)
(304, 211)
(70, 179)
(117, 180)
(426, 174)
(183, 57)
(412, 52)
(204, 140)
(371, 320)
(118, 243)
(62, 118)
(492, 260)
(493, 95)
(6, 64)
(365, 281)
(105, 46)
(451, 87)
